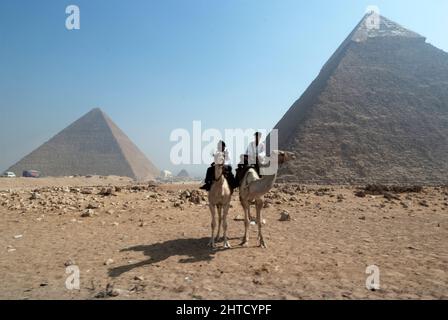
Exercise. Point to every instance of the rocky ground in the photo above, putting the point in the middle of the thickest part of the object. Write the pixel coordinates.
(149, 241)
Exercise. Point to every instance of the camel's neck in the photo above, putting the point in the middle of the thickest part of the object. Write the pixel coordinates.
(218, 173)
(220, 186)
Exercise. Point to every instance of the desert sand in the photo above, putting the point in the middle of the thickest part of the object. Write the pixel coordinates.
(146, 241)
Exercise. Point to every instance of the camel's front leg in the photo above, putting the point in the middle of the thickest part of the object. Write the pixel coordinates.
(249, 215)
(259, 206)
(213, 213)
(245, 205)
(217, 239)
(224, 225)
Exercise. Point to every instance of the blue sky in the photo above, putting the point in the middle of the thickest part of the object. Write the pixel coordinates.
(154, 66)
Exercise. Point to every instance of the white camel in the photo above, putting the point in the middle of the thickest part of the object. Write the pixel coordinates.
(253, 188)
(219, 200)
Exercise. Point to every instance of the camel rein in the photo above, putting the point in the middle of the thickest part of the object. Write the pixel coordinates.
(222, 173)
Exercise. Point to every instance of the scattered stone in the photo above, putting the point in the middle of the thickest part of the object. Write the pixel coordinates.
(109, 292)
(88, 213)
(423, 203)
(19, 236)
(137, 288)
(177, 204)
(322, 192)
(87, 191)
(267, 203)
(196, 197)
(107, 191)
(35, 196)
(239, 218)
(108, 262)
(360, 194)
(153, 184)
(92, 206)
(376, 189)
(185, 195)
(10, 249)
(284, 216)
(264, 269)
(390, 196)
(139, 278)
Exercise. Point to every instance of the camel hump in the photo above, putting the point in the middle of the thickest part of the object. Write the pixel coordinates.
(251, 176)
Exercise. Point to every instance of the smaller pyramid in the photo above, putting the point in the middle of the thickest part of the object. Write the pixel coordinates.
(183, 174)
(92, 145)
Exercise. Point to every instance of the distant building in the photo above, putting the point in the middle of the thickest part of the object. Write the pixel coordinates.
(165, 174)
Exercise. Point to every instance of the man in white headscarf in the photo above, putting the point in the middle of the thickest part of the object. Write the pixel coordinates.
(256, 152)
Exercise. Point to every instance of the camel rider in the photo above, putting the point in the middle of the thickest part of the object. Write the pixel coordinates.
(255, 155)
(256, 152)
(210, 175)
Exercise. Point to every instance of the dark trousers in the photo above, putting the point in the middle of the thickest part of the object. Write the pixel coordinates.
(210, 175)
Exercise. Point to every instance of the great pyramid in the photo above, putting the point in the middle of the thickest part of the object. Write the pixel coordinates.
(377, 112)
(91, 145)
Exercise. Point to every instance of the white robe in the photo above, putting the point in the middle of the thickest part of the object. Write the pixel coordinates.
(252, 151)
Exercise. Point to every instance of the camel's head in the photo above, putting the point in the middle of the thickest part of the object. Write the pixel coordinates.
(283, 156)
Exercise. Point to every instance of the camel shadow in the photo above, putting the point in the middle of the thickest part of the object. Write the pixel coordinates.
(196, 250)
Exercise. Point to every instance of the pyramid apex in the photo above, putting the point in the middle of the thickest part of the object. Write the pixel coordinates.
(97, 112)
(96, 109)
(375, 25)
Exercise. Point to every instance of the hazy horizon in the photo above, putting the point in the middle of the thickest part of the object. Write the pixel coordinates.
(157, 66)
